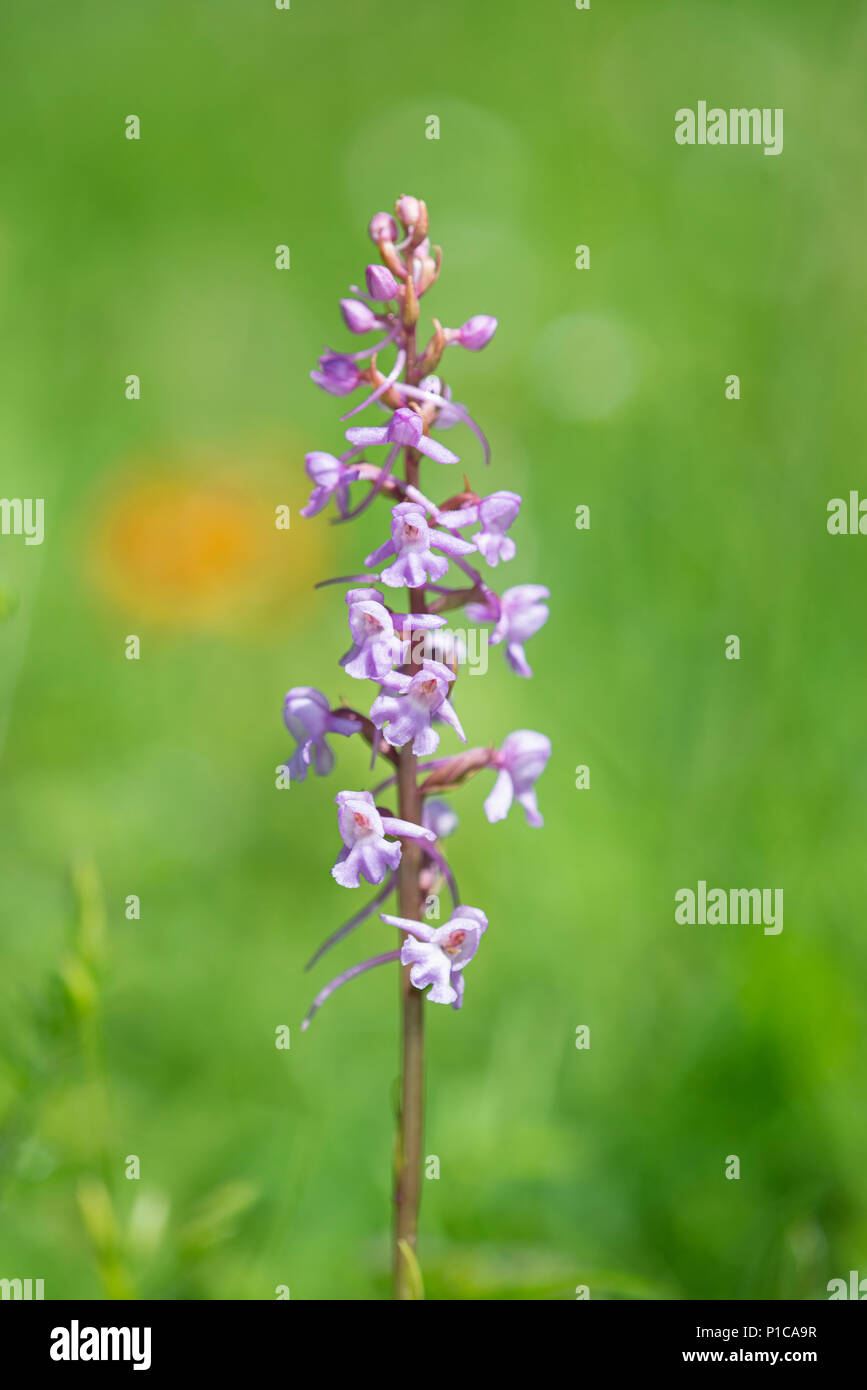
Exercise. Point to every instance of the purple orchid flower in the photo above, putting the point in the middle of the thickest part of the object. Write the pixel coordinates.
(495, 515)
(377, 646)
(405, 428)
(517, 615)
(404, 713)
(329, 476)
(366, 852)
(520, 763)
(307, 715)
(338, 373)
(437, 955)
(412, 542)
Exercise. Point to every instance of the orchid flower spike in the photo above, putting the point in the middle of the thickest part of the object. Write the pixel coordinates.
(405, 428)
(366, 852)
(413, 542)
(308, 717)
(520, 763)
(395, 372)
(437, 955)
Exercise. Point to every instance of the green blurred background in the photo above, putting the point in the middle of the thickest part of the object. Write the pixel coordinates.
(262, 1167)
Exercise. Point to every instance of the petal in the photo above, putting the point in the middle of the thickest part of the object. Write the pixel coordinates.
(463, 516)
(451, 545)
(393, 826)
(436, 451)
(475, 914)
(420, 622)
(426, 741)
(422, 930)
(531, 807)
(517, 659)
(442, 991)
(459, 983)
(324, 758)
(499, 799)
(375, 859)
(363, 435)
(338, 724)
(381, 553)
(428, 966)
(395, 680)
(395, 576)
(400, 730)
(522, 595)
(318, 501)
(435, 567)
(345, 870)
(446, 712)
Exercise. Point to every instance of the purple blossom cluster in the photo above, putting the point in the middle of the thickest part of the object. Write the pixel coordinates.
(412, 705)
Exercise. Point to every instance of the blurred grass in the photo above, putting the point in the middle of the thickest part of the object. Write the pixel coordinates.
(261, 1167)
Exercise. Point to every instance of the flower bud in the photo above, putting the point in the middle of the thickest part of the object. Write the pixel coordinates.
(477, 332)
(358, 317)
(408, 210)
(382, 227)
(381, 284)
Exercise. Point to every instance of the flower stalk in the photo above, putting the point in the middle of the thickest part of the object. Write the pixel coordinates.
(417, 680)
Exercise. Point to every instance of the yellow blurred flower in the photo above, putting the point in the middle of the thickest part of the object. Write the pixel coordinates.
(197, 546)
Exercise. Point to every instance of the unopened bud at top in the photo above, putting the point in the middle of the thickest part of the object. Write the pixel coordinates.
(382, 227)
(408, 210)
(381, 284)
